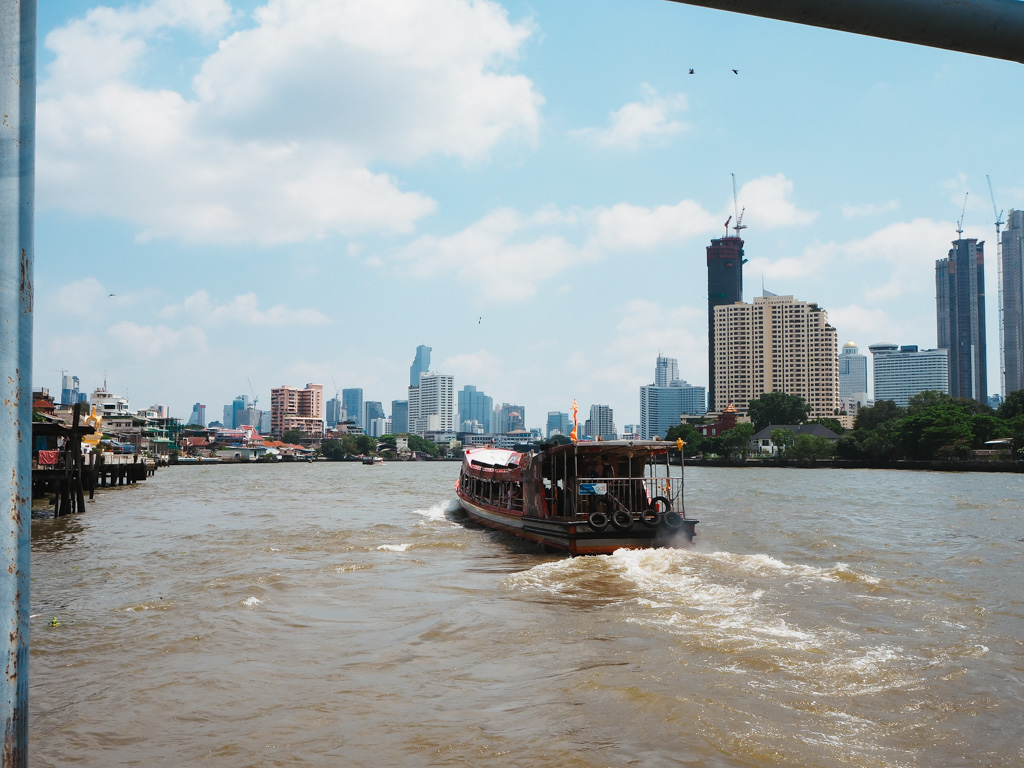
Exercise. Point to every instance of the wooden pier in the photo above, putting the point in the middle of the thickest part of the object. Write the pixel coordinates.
(61, 470)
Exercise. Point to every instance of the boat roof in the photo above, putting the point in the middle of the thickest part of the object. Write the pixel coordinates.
(614, 446)
(493, 457)
(503, 457)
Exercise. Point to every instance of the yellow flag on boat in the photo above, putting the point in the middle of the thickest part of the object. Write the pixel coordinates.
(575, 421)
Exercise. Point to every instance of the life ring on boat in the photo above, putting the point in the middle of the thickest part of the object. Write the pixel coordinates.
(665, 504)
(672, 520)
(651, 517)
(622, 520)
(597, 520)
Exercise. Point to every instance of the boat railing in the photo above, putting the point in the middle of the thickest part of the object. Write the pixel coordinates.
(630, 494)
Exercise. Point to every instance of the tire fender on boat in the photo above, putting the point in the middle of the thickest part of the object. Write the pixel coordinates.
(622, 520)
(672, 520)
(597, 520)
(651, 517)
(661, 504)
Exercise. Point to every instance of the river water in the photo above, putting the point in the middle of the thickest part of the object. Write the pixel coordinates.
(343, 615)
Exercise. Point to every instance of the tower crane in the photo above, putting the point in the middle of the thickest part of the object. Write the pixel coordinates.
(960, 224)
(999, 273)
(255, 397)
(736, 209)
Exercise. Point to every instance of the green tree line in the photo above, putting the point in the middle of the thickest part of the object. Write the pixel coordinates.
(934, 426)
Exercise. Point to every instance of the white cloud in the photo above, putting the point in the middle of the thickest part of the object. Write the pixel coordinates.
(630, 227)
(649, 121)
(289, 115)
(767, 204)
(501, 256)
(869, 209)
(242, 310)
(148, 342)
(864, 325)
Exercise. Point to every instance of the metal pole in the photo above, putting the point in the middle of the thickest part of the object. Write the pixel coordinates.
(17, 203)
(993, 28)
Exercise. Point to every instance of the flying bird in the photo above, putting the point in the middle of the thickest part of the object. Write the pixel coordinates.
(112, 294)
(735, 71)
(691, 71)
(480, 320)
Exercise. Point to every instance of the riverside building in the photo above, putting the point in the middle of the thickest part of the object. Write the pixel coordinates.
(900, 372)
(776, 344)
(294, 408)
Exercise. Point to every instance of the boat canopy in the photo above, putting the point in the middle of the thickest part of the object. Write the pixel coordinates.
(493, 457)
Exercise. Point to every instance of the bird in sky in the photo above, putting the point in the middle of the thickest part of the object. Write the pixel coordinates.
(691, 71)
(112, 294)
(735, 71)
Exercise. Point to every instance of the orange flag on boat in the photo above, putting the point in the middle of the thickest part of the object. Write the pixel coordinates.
(575, 421)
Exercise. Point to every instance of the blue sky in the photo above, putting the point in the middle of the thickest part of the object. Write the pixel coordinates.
(305, 190)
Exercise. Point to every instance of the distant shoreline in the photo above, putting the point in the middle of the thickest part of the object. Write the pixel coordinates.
(930, 466)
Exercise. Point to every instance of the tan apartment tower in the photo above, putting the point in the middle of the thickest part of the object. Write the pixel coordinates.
(294, 408)
(776, 344)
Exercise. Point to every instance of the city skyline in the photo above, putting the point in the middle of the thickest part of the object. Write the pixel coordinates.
(547, 241)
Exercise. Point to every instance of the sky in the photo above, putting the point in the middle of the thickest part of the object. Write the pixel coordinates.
(235, 196)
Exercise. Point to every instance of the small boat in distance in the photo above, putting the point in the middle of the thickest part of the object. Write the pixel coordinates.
(372, 460)
(588, 498)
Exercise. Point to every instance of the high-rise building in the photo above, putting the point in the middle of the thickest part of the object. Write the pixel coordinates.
(352, 402)
(853, 373)
(668, 398)
(725, 286)
(666, 370)
(238, 405)
(229, 417)
(70, 391)
(420, 364)
(508, 417)
(558, 423)
(776, 344)
(1013, 301)
(372, 409)
(601, 423)
(960, 305)
(248, 417)
(400, 416)
(475, 406)
(335, 412)
(294, 408)
(198, 415)
(902, 372)
(432, 404)
(661, 407)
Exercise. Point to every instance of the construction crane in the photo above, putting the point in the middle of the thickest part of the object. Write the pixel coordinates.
(736, 209)
(255, 397)
(960, 224)
(999, 272)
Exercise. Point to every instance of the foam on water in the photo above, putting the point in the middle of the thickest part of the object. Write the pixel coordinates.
(252, 602)
(393, 547)
(437, 512)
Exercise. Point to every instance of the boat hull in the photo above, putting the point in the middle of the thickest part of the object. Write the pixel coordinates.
(577, 537)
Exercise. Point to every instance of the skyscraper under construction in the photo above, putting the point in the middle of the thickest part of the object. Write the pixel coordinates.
(725, 286)
(960, 305)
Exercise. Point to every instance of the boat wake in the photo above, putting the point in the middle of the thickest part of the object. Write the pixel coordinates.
(438, 513)
(735, 609)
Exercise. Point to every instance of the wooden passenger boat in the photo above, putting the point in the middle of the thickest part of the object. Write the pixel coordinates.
(586, 498)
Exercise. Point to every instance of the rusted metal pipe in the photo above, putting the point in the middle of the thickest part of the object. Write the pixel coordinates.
(993, 28)
(17, 206)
